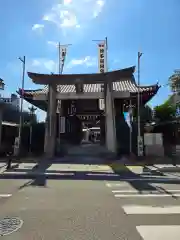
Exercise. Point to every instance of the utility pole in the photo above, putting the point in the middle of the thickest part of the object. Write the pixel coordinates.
(139, 139)
(1, 110)
(32, 110)
(23, 60)
(130, 125)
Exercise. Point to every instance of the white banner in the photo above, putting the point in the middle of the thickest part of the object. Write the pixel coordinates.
(102, 67)
(101, 104)
(58, 109)
(63, 51)
(102, 58)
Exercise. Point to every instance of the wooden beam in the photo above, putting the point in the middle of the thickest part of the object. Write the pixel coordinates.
(97, 95)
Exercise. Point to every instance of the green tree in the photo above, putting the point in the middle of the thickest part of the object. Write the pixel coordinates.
(165, 112)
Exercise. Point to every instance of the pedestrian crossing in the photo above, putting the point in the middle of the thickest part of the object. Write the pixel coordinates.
(159, 232)
(126, 191)
(155, 232)
(152, 218)
(5, 195)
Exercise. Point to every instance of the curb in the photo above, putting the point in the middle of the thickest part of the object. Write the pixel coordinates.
(3, 169)
(56, 176)
(166, 169)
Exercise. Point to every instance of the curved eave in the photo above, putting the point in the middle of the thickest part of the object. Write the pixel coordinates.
(41, 104)
(89, 88)
(147, 96)
(146, 93)
(85, 78)
(153, 89)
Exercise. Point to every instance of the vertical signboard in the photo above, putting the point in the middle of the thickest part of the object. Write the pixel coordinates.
(62, 56)
(102, 62)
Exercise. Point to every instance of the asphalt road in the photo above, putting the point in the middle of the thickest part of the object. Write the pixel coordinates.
(84, 209)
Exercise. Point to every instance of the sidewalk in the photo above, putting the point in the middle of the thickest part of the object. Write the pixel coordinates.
(38, 166)
(2, 167)
(164, 168)
(55, 168)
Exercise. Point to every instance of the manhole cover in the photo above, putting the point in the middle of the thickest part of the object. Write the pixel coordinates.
(9, 225)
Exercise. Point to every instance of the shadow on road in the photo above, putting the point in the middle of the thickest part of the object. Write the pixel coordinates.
(145, 180)
(141, 182)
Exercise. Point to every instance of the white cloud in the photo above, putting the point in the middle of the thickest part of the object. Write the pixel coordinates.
(98, 8)
(36, 63)
(87, 61)
(37, 26)
(61, 17)
(52, 43)
(67, 2)
(74, 13)
(42, 65)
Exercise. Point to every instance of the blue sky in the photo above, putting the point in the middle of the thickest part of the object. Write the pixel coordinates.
(32, 28)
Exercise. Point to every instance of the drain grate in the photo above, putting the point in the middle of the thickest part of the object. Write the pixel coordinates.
(9, 225)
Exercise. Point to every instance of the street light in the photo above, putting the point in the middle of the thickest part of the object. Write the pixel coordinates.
(21, 105)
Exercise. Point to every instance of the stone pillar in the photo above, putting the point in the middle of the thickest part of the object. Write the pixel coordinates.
(50, 136)
(1, 112)
(46, 133)
(110, 119)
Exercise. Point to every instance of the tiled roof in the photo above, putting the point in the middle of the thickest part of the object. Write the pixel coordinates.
(120, 86)
(87, 78)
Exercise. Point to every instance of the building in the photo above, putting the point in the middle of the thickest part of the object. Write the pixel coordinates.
(12, 101)
(81, 98)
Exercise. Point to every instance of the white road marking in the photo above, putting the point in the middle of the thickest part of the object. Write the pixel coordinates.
(159, 232)
(102, 174)
(124, 191)
(5, 195)
(145, 191)
(141, 209)
(121, 184)
(151, 179)
(146, 195)
(40, 173)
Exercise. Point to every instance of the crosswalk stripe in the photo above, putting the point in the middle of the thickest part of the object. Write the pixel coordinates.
(159, 232)
(146, 191)
(5, 195)
(111, 185)
(146, 179)
(141, 209)
(146, 195)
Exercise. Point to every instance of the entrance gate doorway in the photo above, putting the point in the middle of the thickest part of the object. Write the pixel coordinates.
(82, 125)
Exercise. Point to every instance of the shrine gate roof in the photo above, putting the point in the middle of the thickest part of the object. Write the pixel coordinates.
(123, 80)
(69, 79)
